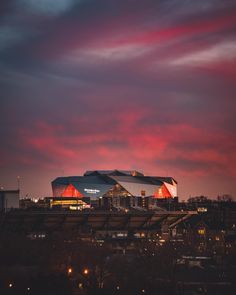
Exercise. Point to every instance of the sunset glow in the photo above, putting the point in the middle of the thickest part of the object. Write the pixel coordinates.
(146, 85)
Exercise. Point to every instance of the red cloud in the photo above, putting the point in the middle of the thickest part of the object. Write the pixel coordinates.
(131, 142)
(121, 30)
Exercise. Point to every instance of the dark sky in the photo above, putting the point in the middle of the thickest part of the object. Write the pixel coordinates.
(127, 84)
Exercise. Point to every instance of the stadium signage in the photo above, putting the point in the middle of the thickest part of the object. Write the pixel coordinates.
(91, 191)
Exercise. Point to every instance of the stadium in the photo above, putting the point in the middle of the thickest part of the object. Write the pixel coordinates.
(114, 183)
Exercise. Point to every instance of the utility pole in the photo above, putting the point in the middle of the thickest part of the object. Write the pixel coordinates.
(18, 183)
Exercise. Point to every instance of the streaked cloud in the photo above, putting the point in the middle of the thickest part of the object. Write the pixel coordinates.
(48, 7)
(93, 84)
(225, 51)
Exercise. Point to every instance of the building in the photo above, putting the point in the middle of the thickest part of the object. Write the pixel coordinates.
(9, 199)
(71, 203)
(119, 187)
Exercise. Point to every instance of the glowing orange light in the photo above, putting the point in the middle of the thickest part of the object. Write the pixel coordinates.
(71, 191)
(70, 270)
(86, 271)
(162, 192)
(201, 231)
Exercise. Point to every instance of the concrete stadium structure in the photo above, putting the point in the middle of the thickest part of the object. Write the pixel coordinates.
(96, 223)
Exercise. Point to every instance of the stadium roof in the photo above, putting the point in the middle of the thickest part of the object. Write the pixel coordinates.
(113, 172)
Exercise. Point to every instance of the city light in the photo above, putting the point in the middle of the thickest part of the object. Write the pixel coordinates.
(86, 271)
(69, 271)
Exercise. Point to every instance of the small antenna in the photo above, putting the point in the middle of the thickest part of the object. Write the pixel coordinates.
(18, 182)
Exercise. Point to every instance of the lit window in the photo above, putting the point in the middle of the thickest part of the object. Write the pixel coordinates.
(201, 231)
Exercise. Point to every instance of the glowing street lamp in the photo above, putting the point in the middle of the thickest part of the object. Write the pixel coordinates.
(69, 270)
(85, 271)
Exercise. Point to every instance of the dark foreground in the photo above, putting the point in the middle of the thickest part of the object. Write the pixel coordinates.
(166, 253)
(65, 264)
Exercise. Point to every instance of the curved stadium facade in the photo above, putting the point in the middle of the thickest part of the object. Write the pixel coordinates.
(114, 183)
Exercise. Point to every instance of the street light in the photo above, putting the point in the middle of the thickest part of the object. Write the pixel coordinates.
(69, 270)
(85, 271)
